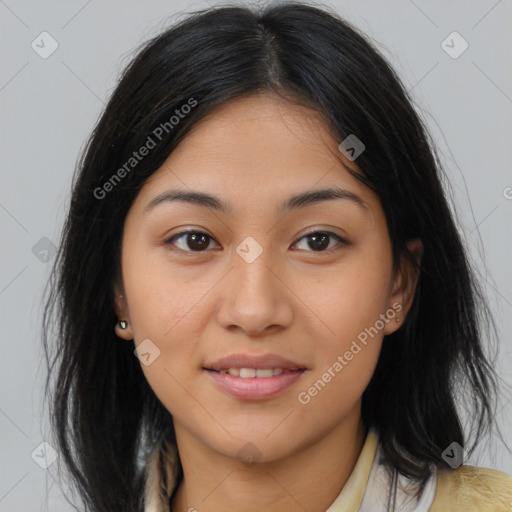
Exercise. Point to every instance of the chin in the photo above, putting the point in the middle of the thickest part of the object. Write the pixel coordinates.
(255, 447)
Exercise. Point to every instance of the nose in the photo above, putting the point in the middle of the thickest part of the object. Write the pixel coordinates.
(255, 297)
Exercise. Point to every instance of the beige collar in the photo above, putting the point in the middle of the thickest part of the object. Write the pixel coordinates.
(351, 496)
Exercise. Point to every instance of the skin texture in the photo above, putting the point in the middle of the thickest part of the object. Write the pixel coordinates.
(295, 300)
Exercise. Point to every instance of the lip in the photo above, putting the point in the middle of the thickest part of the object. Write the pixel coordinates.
(265, 361)
(255, 388)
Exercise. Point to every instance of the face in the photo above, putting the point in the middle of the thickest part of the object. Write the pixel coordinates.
(311, 283)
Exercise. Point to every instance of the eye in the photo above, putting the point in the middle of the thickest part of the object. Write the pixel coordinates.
(193, 241)
(319, 240)
(199, 241)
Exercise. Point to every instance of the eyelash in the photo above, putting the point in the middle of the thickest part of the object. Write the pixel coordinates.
(341, 240)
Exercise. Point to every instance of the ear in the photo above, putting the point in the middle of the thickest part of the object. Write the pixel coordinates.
(404, 285)
(121, 308)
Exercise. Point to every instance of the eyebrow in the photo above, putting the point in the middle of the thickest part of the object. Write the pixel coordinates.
(293, 203)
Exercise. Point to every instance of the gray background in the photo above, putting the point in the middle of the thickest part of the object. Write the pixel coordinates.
(48, 108)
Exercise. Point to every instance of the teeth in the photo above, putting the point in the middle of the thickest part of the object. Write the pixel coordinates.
(248, 373)
(265, 373)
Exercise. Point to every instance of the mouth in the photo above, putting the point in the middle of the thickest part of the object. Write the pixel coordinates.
(254, 383)
(254, 377)
(251, 373)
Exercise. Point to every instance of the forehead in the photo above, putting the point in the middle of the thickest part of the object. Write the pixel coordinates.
(238, 131)
(257, 148)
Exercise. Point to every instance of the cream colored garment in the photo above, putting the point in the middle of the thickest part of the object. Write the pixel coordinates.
(161, 472)
(370, 486)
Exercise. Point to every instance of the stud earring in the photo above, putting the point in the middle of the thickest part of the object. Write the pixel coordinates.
(123, 324)
(398, 319)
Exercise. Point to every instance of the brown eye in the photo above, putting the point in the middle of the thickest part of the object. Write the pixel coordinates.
(318, 241)
(191, 241)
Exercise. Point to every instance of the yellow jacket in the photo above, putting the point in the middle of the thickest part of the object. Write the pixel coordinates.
(465, 489)
(472, 489)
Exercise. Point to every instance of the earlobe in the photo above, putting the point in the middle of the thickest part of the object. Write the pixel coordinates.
(405, 283)
(122, 328)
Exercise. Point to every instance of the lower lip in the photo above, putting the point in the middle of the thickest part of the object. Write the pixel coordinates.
(255, 388)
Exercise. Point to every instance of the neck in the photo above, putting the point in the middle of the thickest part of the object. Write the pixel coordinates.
(310, 478)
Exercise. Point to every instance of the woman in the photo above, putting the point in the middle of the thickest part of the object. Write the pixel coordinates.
(259, 214)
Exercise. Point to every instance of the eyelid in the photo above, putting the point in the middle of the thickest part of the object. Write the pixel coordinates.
(322, 230)
(341, 239)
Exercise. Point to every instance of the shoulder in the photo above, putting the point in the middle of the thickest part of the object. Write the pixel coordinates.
(470, 488)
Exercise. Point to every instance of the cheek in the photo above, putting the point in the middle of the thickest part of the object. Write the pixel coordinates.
(160, 295)
(350, 307)
(166, 310)
(333, 393)
(352, 299)
(346, 355)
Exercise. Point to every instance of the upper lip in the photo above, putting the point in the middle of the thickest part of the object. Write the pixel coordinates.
(252, 361)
